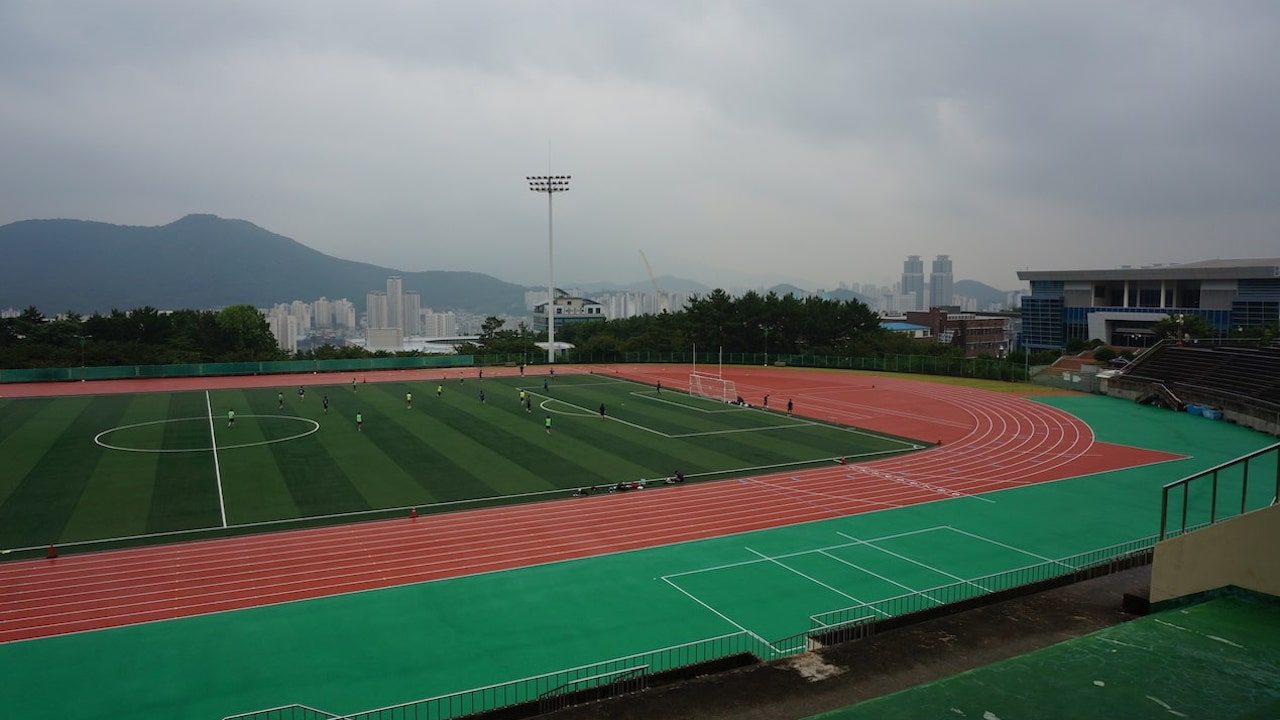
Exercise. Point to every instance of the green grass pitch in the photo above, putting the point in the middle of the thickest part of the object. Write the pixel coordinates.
(110, 466)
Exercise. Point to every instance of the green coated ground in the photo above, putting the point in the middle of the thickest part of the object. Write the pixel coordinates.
(58, 486)
(354, 652)
(1216, 659)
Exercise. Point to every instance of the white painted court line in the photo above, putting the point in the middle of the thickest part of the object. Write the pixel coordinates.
(869, 543)
(1015, 549)
(855, 566)
(217, 471)
(911, 482)
(798, 553)
(810, 578)
(721, 615)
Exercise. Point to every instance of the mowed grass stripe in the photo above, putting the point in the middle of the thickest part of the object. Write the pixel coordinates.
(37, 510)
(23, 449)
(117, 499)
(672, 421)
(377, 477)
(185, 491)
(434, 465)
(250, 494)
(435, 422)
(317, 484)
(16, 413)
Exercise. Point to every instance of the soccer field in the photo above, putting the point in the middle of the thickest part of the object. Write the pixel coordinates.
(112, 466)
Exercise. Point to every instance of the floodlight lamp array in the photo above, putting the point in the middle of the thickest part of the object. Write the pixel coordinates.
(548, 183)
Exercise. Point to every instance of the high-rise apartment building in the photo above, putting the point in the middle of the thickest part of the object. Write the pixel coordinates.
(438, 325)
(395, 302)
(344, 314)
(376, 310)
(913, 281)
(411, 313)
(941, 282)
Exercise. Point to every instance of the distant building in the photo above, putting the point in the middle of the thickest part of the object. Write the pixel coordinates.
(344, 314)
(941, 282)
(376, 310)
(906, 328)
(568, 310)
(384, 339)
(439, 325)
(412, 312)
(913, 281)
(395, 303)
(284, 327)
(1119, 306)
(975, 334)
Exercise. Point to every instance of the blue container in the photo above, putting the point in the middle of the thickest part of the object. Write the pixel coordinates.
(1194, 409)
(1211, 413)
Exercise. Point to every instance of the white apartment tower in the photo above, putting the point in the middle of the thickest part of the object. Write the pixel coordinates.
(941, 282)
(395, 303)
(376, 307)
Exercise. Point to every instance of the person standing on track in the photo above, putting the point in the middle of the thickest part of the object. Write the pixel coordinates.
(790, 406)
(231, 418)
(325, 402)
(766, 402)
(408, 400)
(359, 422)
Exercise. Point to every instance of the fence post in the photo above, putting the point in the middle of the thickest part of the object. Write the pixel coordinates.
(1186, 492)
(1213, 501)
(1244, 488)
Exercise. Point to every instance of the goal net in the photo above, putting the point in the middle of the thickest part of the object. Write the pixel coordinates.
(712, 386)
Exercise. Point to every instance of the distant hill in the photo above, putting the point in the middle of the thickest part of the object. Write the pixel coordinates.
(668, 283)
(787, 289)
(844, 295)
(984, 294)
(204, 261)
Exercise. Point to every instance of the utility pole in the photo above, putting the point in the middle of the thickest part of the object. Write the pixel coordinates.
(550, 184)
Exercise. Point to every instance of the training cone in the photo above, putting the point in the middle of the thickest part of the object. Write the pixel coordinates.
(51, 553)
(413, 513)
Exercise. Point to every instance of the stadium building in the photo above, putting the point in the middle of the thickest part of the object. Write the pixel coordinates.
(568, 310)
(1119, 306)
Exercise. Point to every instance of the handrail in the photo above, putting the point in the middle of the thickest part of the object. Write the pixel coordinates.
(590, 678)
(1221, 466)
(1185, 484)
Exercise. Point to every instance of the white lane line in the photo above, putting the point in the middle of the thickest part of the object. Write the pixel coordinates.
(721, 615)
(855, 566)
(997, 542)
(915, 562)
(810, 578)
(217, 471)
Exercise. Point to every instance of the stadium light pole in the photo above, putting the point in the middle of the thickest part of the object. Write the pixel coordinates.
(550, 184)
(82, 339)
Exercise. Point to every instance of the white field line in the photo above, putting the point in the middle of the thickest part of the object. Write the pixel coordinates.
(687, 406)
(744, 430)
(859, 568)
(916, 562)
(810, 578)
(1015, 549)
(217, 471)
(798, 553)
(721, 615)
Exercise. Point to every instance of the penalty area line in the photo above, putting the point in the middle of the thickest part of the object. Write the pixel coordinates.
(217, 471)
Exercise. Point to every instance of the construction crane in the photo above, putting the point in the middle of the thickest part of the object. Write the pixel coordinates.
(659, 298)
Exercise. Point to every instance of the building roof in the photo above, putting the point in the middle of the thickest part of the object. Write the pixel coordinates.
(902, 326)
(1217, 269)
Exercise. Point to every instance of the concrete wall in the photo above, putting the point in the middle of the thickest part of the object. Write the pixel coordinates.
(1241, 551)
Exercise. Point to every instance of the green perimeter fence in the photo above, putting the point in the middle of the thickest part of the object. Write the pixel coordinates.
(741, 647)
(987, 368)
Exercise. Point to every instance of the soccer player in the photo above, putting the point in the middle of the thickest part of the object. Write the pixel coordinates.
(280, 399)
(481, 373)
(231, 418)
(521, 369)
(439, 390)
(522, 396)
(528, 405)
(544, 384)
(659, 387)
(482, 396)
(408, 400)
(302, 393)
(766, 402)
(790, 406)
(325, 402)
(359, 422)
(601, 411)
(353, 384)
(547, 424)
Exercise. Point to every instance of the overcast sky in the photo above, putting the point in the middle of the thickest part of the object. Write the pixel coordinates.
(734, 142)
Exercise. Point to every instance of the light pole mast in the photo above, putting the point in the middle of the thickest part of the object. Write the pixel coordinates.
(550, 184)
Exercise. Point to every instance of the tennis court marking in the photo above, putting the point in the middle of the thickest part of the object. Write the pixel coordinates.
(853, 541)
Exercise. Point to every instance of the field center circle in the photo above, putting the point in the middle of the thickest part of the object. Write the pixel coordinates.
(98, 439)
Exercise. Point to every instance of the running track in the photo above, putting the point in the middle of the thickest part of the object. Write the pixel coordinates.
(990, 441)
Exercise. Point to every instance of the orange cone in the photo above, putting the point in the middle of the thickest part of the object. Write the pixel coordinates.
(52, 552)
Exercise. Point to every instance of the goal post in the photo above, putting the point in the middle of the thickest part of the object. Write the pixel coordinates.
(712, 386)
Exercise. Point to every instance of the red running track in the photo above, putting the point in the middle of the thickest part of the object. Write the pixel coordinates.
(990, 441)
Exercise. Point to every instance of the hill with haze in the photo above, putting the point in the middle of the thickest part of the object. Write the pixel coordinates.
(204, 261)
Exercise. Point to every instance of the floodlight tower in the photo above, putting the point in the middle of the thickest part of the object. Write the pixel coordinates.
(550, 184)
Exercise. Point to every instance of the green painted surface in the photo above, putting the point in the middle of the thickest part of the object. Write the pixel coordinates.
(1215, 659)
(377, 648)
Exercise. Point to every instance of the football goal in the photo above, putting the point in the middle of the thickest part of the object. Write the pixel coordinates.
(712, 386)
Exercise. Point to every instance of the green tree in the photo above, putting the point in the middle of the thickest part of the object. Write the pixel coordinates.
(247, 334)
(1179, 327)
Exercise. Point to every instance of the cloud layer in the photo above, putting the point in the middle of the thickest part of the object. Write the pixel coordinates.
(732, 142)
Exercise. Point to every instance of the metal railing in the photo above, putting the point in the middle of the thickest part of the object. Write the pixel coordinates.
(1229, 476)
(285, 712)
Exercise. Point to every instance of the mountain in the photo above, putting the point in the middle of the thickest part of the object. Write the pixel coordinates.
(984, 294)
(786, 289)
(843, 295)
(204, 261)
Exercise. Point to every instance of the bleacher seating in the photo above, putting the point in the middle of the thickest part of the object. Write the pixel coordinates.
(1245, 374)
